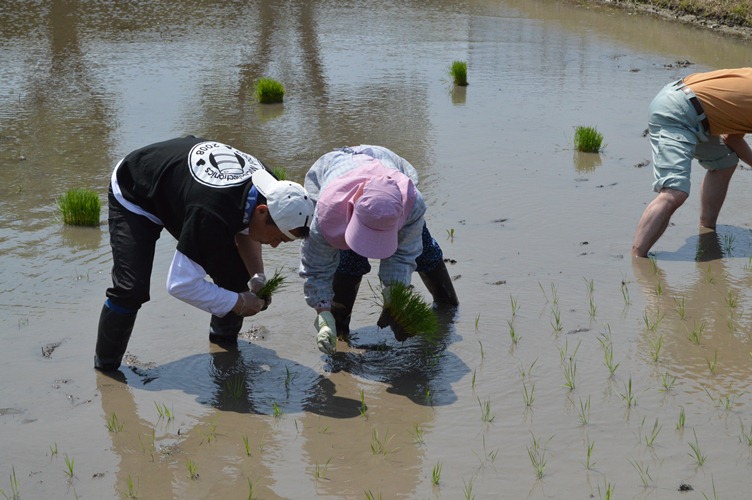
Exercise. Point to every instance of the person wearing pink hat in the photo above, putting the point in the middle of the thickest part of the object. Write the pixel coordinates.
(367, 207)
(221, 205)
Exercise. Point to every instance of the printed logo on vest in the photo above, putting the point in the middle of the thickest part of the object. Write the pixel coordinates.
(218, 165)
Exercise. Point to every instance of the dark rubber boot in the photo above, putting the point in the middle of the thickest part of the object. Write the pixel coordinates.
(112, 338)
(345, 290)
(225, 330)
(440, 285)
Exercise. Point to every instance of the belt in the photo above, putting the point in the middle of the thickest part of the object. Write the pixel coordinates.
(698, 107)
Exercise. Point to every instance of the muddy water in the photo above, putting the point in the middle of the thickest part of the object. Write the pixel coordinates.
(540, 236)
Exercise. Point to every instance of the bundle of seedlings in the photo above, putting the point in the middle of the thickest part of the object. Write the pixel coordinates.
(408, 311)
(79, 207)
(271, 286)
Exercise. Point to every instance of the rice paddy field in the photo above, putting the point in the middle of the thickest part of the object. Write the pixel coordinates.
(569, 370)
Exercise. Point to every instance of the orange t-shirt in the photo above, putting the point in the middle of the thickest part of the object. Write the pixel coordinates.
(726, 97)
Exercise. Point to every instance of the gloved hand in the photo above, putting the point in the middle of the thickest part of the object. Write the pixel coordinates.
(257, 283)
(326, 332)
(248, 304)
(386, 319)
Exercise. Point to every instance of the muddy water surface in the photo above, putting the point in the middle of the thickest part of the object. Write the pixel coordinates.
(538, 234)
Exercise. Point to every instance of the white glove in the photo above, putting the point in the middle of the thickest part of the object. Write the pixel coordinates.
(257, 282)
(326, 332)
(248, 304)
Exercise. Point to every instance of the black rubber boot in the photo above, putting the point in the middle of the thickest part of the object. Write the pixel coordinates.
(225, 330)
(112, 338)
(345, 290)
(440, 285)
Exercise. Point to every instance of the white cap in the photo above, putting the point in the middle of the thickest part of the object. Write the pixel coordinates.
(289, 204)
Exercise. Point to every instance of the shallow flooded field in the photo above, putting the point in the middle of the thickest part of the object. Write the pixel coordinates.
(568, 371)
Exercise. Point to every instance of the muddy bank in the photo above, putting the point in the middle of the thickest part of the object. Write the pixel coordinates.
(726, 25)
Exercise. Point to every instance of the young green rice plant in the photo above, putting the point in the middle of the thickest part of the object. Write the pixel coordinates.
(695, 336)
(712, 365)
(410, 311)
(556, 323)
(192, 469)
(450, 234)
(277, 411)
(482, 352)
(589, 464)
(653, 435)
(513, 333)
(436, 474)
(537, 453)
(682, 419)
(164, 412)
(592, 308)
(625, 292)
(113, 425)
(732, 299)
(652, 323)
(715, 493)
(608, 351)
(320, 470)
(515, 306)
(69, 463)
(656, 343)
(570, 371)
(53, 450)
(485, 410)
(280, 173)
(584, 411)
(363, 405)
(246, 445)
(681, 306)
(379, 445)
(746, 436)
(696, 451)
(458, 72)
(587, 139)
(418, 434)
(473, 381)
(608, 490)
(653, 264)
(250, 489)
(643, 471)
(79, 207)
(210, 434)
(468, 489)
(528, 396)
(269, 90)
(234, 386)
(628, 395)
(132, 492)
(564, 352)
(271, 286)
(728, 244)
(428, 396)
(667, 381)
(477, 322)
(15, 490)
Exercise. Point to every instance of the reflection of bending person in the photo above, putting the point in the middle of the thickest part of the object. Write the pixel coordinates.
(367, 207)
(703, 116)
(221, 205)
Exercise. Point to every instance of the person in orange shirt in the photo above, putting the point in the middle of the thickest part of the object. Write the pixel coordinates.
(703, 116)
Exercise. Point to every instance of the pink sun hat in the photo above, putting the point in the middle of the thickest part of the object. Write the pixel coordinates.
(365, 209)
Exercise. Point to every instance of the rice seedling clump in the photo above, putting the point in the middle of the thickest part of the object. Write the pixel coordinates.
(410, 311)
(458, 72)
(80, 207)
(271, 286)
(587, 139)
(269, 91)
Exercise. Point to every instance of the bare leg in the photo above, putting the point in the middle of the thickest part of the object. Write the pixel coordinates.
(713, 194)
(655, 219)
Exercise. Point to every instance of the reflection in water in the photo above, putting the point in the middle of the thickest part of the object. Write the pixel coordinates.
(586, 162)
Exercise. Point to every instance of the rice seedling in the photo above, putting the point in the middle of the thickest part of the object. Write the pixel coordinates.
(656, 344)
(715, 493)
(667, 381)
(79, 207)
(53, 450)
(653, 264)
(485, 410)
(680, 306)
(528, 396)
(210, 434)
(472, 384)
(192, 469)
(418, 434)
(625, 292)
(650, 438)
(69, 464)
(556, 324)
(164, 412)
(113, 425)
(482, 352)
(584, 411)
(712, 365)
(233, 387)
(608, 351)
(608, 490)
(458, 72)
(728, 244)
(246, 445)
(587, 139)
(643, 471)
(682, 419)
(151, 449)
(589, 464)
(363, 405)
(732, 299)
(628, 395)
(564, 352)
(269, 91)
(468, 489)
(709, 277)
(436, 474)
(15, 489)
(477, 321)
(592, 308)
(537, 454)
(450, 234)
(250, 489)
(271, 286)
(513, 333)
(696, 451)
(746, 436)
(280, 173)
(428, 396)
(132, 492)
(652, 324)
(380, 446)
(570, 371)
(515, 306)
(410, 311)
(320, 470)
(695, 336)
(371, 496)
(276, 410)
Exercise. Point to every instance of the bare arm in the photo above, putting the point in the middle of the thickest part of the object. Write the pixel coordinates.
(250, 252)
(739, 146)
